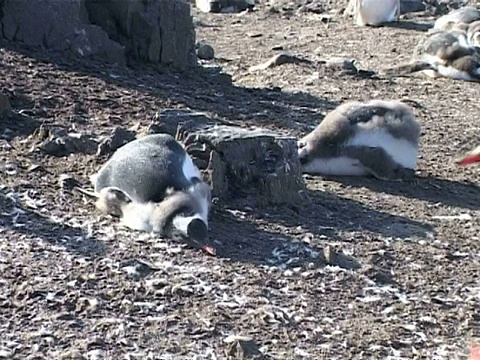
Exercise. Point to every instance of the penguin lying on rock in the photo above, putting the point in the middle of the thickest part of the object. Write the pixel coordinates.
(152, 184)
(379, 138)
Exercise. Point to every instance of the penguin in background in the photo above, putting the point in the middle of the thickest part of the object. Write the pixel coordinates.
(378, 138)
(442, 54)
(466, 15)
(373, 12)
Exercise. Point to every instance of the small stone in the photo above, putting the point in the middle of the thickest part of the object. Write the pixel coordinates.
(4, 105)
(205, 51)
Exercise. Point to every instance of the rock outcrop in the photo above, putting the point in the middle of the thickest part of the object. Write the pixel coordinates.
(155, 31)
(241, 162)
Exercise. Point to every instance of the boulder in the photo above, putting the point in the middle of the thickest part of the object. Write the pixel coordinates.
(155, 31)
(224, 6)
(241, 162)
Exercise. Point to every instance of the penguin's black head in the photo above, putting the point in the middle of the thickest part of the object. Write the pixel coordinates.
(197, 230)
(191, 230)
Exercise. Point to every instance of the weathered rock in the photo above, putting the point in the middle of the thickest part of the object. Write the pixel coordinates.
(237, 161)
(118, 138)
(156, 31)
(205, 51)
(408, 6)
(61, 143)
(57, 25)
(224, 6)
(168, 120)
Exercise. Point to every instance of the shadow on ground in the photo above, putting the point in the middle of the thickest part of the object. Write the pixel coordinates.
(244, 241)
(261, 234)
(409, 25)
(200, 89)
(18, 219)
(331, 215)
(426, 188)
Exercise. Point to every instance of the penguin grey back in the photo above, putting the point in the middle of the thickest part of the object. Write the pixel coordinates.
(348, 119)
(436, 44)
(145, 168)
(466, 14)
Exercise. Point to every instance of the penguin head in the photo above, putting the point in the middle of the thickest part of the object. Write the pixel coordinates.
(192, 230)
(111, 200)
(191, 222)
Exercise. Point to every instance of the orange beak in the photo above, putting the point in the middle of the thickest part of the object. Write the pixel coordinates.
(209, 250)
(471, 158)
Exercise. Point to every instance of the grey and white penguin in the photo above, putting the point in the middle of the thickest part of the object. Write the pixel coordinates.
(379, 138)
(152, 184)
(466, 15)
(146, 167)
(442, 54)
(373, 12)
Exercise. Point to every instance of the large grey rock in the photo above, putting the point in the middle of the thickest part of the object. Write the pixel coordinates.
(59, 25)
(156, 31)
(238, 161)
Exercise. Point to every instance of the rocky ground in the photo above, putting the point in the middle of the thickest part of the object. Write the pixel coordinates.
(75, 285)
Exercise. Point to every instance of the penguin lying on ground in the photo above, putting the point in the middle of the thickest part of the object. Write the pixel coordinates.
(442, 53)
(379, 138)
(152, 184)
(466, 15)
(145, 168)
(373, 12)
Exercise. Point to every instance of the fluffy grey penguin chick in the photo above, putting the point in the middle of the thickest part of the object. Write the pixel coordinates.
(443, 53)
(181, 214)
(466, 14)
(379, 138)
(145, 168)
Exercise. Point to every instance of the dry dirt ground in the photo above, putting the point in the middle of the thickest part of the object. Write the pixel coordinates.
(76, 285)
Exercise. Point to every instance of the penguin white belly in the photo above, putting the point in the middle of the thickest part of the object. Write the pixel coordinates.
(338, 166)
(402, 151)
(452, 73)
(137, 216)
(189, 169)
(375, 12)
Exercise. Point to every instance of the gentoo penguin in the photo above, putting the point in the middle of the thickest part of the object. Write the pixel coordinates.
(373, 12)
(442, 53)
(379, 138)
(181, 214)
(148, 176)
(466, 15)
(145, 168)
(472, 157)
